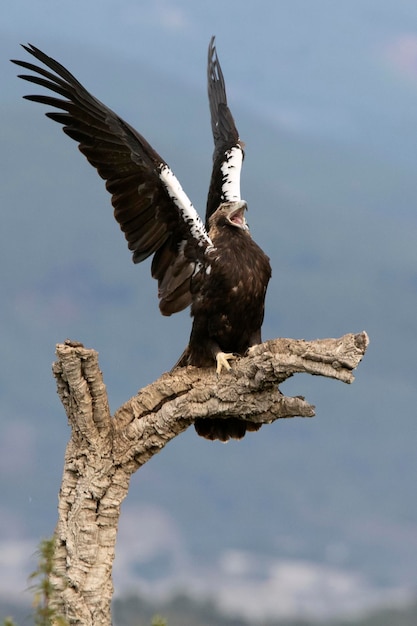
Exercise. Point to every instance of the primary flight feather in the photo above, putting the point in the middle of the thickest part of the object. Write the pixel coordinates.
(215, 267)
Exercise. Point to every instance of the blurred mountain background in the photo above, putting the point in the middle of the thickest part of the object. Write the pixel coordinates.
(307, 517)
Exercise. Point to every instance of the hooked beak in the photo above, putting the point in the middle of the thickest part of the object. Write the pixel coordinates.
(236, 215)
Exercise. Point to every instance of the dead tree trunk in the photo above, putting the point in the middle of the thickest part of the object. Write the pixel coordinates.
(104, 451)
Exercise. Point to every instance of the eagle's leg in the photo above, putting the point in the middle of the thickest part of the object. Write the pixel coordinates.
(222, 360)
(254, 340)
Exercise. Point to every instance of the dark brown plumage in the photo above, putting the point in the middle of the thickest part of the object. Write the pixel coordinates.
(217, 269)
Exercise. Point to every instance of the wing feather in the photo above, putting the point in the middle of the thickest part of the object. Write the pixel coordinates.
(228, 148)
(150, 206)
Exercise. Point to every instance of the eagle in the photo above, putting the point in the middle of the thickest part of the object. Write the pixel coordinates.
(215, 267)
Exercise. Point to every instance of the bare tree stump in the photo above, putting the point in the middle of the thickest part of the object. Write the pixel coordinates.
(104, 451)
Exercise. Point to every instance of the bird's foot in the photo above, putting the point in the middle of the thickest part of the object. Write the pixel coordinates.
(222, 360)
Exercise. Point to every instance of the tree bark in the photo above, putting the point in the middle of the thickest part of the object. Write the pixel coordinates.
(104, 451)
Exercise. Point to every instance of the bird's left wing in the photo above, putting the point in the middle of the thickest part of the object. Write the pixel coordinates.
(152, 209)
(228, 148)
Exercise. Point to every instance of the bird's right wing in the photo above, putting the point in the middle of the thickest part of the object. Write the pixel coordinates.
(228, 148)
(153, 211)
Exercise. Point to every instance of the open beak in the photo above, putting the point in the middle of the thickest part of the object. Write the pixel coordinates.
(237, 214)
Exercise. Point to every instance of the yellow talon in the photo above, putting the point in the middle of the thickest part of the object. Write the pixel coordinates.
(222, 360)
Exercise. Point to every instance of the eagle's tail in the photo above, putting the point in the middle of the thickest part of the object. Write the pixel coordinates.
(224, 429)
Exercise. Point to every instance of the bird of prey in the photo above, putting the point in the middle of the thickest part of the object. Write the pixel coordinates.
(215, 267)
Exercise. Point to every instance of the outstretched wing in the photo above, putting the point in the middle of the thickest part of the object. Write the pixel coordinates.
(153, 211)
(228, 148)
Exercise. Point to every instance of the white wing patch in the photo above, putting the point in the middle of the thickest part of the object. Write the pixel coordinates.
(185, 206)
(230, 169)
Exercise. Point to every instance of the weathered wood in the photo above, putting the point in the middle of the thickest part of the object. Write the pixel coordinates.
(104, 451)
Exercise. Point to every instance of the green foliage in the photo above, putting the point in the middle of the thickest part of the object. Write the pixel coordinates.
(158, 621)
(44, 613)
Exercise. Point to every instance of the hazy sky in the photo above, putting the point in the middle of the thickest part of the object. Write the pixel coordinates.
(308, 65)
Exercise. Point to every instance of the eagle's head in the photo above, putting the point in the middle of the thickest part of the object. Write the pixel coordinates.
(230, 214)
